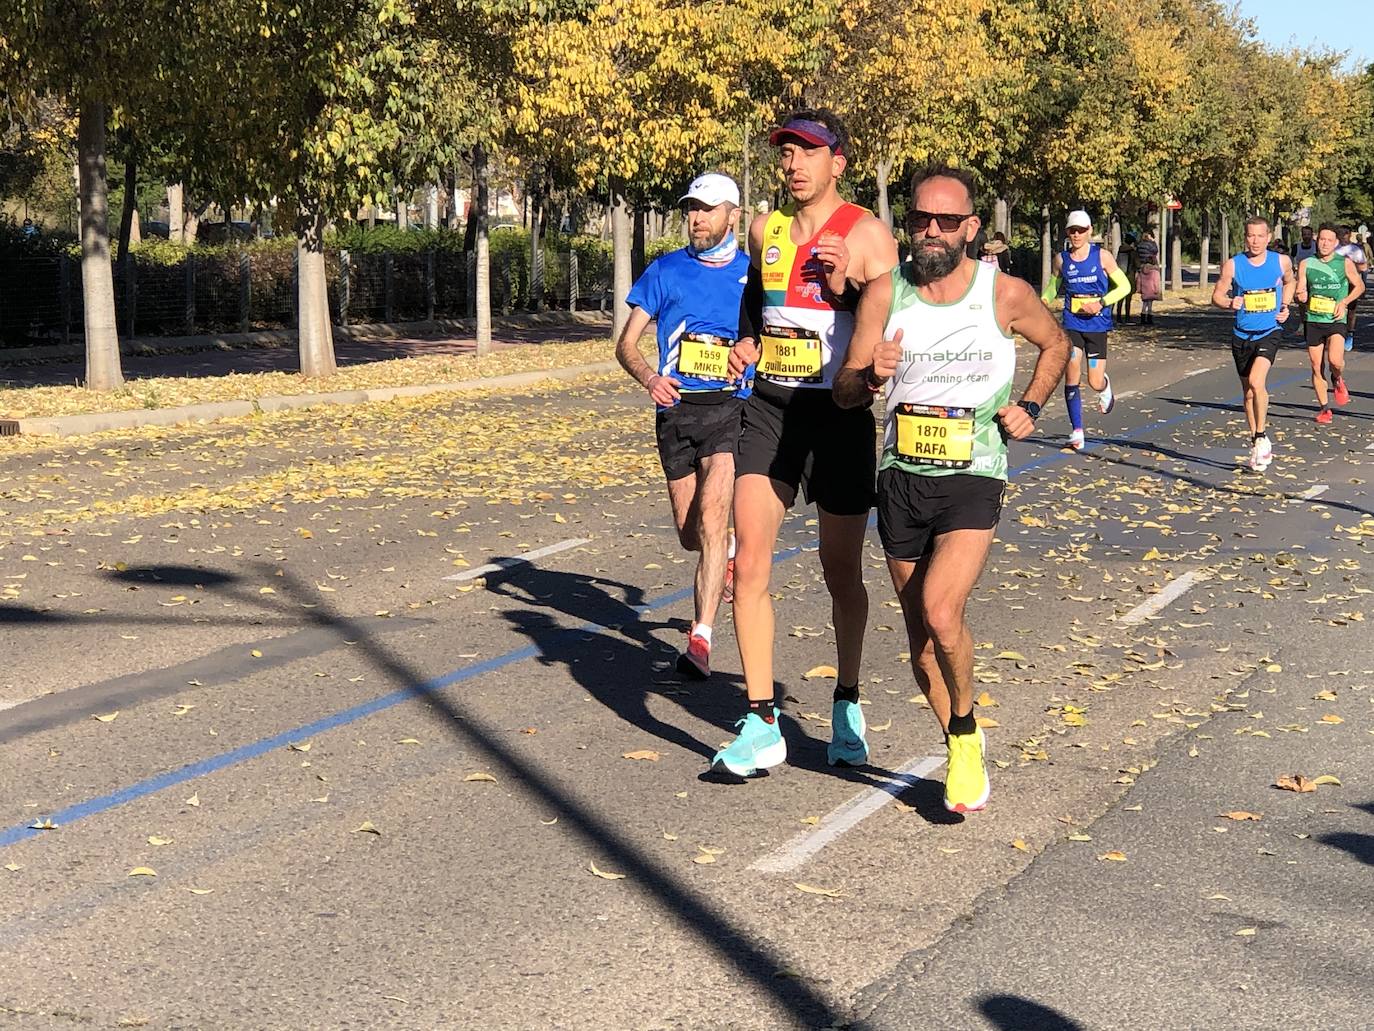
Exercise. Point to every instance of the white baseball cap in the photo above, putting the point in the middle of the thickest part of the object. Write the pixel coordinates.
(713, 188)
(1078, 219)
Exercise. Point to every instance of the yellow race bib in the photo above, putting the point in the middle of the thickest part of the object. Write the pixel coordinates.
(704, 356)
(790, 354)
(1261, 300)
(1319, 305)
(934, 435)
(1077, 301)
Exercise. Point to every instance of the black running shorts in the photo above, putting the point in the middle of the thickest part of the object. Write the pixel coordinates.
(1317, 332)
(913, 509)
(691, 431)
(799, 437)
(1245, 351)
(1094, 345)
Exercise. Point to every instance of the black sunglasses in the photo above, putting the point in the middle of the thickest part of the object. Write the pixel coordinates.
(920, 221)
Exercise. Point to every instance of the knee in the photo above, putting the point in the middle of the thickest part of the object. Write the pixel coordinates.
(843, 579)
(752, 567)
(689, 538)
(945, 624)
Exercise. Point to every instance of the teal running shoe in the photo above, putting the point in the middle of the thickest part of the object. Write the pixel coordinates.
(759, 747)
(847, 744)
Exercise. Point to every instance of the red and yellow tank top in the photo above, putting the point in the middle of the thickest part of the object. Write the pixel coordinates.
(805, 336)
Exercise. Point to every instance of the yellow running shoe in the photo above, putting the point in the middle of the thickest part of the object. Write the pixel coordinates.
(966, 776)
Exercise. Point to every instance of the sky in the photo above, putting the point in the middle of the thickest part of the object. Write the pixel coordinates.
(1343, 25)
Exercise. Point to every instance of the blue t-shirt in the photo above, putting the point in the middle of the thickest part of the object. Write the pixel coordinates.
(1085, 279)
(696, 307)
(1262, 288)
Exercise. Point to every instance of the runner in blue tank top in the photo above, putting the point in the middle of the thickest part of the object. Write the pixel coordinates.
(1092, 284)
(1258, 286)
(694, 296)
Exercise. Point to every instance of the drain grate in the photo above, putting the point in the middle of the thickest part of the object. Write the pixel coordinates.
(9, 427)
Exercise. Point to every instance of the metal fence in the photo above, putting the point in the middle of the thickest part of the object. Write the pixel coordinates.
(238, 292)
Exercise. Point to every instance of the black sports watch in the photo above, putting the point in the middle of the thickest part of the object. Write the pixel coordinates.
(1032, 409)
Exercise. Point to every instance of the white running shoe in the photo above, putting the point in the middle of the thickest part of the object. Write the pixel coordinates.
(1261, 454)
(1106, 400)
(1076, 440)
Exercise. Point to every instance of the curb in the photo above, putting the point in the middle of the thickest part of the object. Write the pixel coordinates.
(79, 425)
(270, 338)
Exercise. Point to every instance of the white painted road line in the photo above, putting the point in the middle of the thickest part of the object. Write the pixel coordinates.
(520, 560)
(1312, 492)
(845, 817)
(1154, 604)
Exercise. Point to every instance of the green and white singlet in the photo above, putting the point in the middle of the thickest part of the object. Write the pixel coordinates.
(1326, 285)
(955, 373)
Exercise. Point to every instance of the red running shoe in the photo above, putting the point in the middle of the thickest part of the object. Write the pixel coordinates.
(1342, 394)
(695, 662)
(1324, 416)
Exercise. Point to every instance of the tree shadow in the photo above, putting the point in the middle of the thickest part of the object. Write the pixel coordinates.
(1016, 1013)
(1360, 846)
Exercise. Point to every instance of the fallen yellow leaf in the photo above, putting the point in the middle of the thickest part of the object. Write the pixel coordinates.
(143, 871)
(1240, 815)
(644, 754)
(1019, 844)
(155, 840)
(820, 671)
(367, 827)
(1327, 778)
(1113, 857)
(109, 717)
(605, 875)
(811, 889)
(479, 778)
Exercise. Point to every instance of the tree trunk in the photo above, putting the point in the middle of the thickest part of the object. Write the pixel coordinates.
(432, 206)
(103, 371)
(126, 216)
(1164, 233)
(1176, 259)
(746, 187)
(477, 219)
(314, 331)
(536, 227)
(1225, 236)
(883, 172)
(176, 213)
(402, 211)
(620, 248)
(1001, 218)
(1046, 253)
(637, 246)
(1114, 239)
(1205, 249)
(371, 215)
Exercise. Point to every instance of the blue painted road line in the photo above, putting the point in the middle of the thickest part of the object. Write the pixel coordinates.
(143, 788)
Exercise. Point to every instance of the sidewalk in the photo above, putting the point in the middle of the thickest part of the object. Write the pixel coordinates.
(174, 381)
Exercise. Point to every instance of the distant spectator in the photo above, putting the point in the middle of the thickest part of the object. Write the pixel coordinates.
(1126, 259)
(1148, 280)
(29, 229)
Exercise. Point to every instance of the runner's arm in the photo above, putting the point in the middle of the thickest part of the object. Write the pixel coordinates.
(663, 389)
(746, 349)
(1301, 293)
(1051, 290)
(1121, 285)
(1356, 281)
(854, 384)
(1023, 314)
(1290, 281)
(1221, 293)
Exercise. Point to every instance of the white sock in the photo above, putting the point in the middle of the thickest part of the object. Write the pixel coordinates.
(703, 631)
(731, 552)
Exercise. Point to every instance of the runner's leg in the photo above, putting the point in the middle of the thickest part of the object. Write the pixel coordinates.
(1315, 356)
(841, 554)
(759, 511)
(716, 485)
(1257, 394)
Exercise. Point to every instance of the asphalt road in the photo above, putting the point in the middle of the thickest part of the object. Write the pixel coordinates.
(371, 795)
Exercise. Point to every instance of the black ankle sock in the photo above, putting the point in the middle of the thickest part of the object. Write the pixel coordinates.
(965, 724)
(763, 709)
(846, 694)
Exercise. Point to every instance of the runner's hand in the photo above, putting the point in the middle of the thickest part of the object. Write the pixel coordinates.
(1016, 421)
(886, 356)
(833, 253)
(1237, 302)
(663, 389)
(744, 354)
(1283, 313)
(1339, 313)
(1092, 307)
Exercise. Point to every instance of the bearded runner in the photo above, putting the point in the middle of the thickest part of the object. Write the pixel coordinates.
(939, 333)
(693, 295)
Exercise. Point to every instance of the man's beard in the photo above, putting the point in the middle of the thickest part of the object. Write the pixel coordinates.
(711, 240)
(934, 260)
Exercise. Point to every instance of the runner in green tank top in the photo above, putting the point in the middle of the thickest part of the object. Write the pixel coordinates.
(1328, 283)
(939, 334)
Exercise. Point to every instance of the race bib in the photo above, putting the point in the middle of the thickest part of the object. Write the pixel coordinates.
(1261, 300)
(704, 356)
(1076, 302)
(1319, 305)
(790, 354)
(935, 435)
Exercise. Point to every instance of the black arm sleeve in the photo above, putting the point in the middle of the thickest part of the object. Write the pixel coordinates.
(751, 305)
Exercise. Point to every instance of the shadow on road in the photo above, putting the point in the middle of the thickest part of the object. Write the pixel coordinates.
(1015, 1013)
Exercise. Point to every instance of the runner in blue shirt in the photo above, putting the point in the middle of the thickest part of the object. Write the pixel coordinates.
(1257, 285)
(693, 295)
